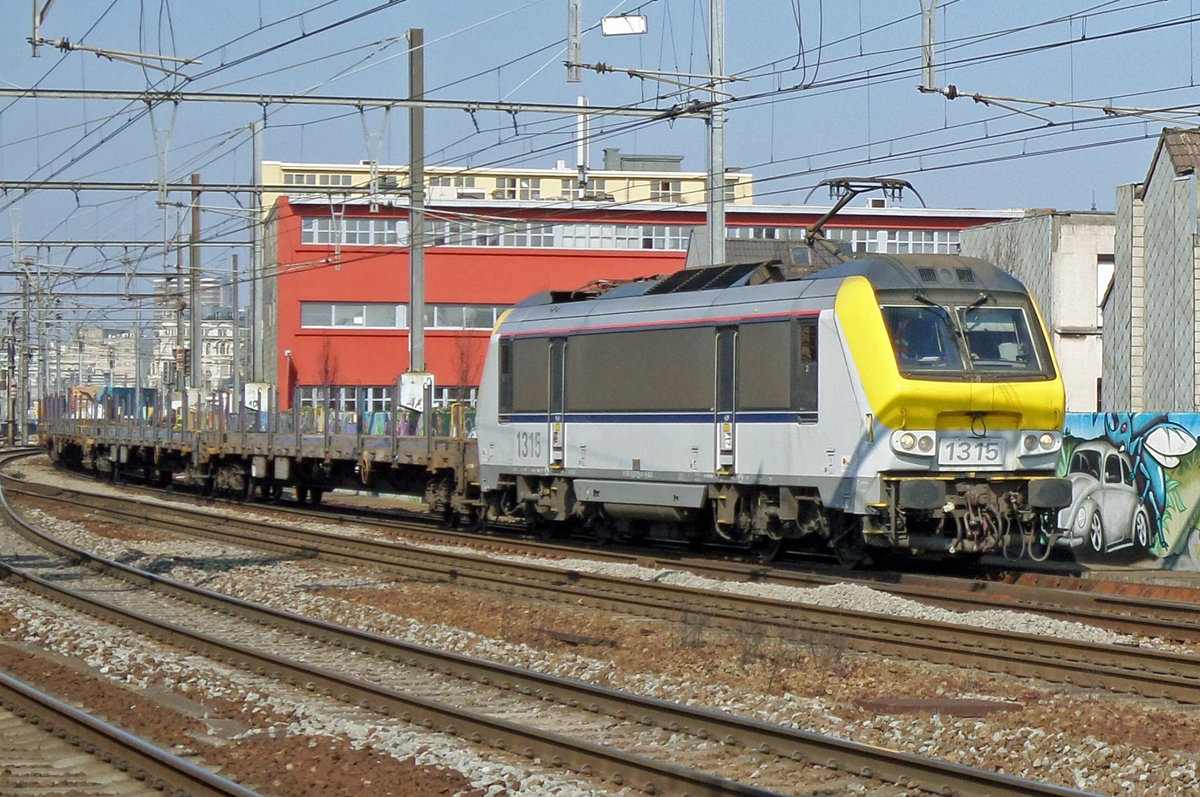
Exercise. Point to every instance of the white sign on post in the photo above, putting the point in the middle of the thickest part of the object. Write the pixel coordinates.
(412, 389)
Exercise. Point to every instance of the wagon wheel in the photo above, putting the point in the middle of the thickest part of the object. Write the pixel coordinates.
(603, 530)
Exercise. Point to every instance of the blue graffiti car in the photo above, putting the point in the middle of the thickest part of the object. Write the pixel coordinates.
(1106, 513)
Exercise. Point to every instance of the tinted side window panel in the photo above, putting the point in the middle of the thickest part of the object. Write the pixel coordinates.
(660, 370)
(777, 366)
(763, 366)
(804, 367)
(524, 375)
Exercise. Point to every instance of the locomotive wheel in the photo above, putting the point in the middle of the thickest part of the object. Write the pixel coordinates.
(766, 549)
(847, 541)
(541, 528)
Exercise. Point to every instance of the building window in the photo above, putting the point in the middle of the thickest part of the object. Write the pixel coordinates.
(922, 242)
(353, 231)
(290, 178)
(446, 396)
(518, 234)
(670, 237)
(452, 316)
(370, 315)
(387, 315)
(506, 188)
(454, 181)
(860, 241)
(531, 188)
(664, 236)
(449, 181)
(377, 399)
(666, 191)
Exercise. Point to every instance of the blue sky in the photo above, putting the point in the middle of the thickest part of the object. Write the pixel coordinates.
(829, 90)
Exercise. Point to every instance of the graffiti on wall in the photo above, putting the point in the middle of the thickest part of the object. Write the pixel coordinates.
(1135, 489)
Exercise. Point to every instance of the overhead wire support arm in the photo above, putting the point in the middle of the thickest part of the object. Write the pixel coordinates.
(1168, 114)
(151, 96)
(662, 77)
(138, 59)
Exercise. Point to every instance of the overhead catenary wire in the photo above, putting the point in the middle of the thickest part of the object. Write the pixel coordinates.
(532, 130)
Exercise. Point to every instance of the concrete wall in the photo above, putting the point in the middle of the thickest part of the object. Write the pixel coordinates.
(1170, 290)
(1124, 311)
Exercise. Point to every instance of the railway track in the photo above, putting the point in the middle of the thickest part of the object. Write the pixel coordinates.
(51, 747)
(1118, 668)
(607, 734)
(1165, 618)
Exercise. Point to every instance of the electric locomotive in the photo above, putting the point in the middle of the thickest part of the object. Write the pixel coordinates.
(902, 403)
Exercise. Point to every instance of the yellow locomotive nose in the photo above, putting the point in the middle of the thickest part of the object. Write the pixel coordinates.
(953, 401)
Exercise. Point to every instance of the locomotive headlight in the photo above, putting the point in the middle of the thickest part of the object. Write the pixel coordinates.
(1043, 443)
(918, 443)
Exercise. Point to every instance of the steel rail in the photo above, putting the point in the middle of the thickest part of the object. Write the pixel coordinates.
(615, 766)
(124, 751)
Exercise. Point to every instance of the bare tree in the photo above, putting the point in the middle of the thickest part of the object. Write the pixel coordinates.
(327, 366)
(467, 357)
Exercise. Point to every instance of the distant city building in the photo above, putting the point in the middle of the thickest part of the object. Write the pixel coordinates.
(172, 326)
(98, 357)
(1152, 313)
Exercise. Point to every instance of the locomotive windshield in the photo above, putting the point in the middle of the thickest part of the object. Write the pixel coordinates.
(936, 339)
